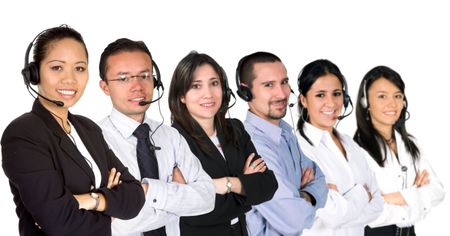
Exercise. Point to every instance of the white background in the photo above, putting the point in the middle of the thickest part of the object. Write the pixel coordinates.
(412, 37)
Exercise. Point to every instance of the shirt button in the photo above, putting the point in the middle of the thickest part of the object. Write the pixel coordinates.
(154, 200)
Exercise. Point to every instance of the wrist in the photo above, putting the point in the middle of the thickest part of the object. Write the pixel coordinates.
(96, 199)
(228, 185)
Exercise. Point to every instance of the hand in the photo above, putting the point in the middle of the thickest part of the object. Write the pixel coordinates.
(145, 187)
(257, 165)
(308, 175)
(332, 187)
(368, 192)
(394, 198)
(113, 179)
(85, 201)
(177, 176)
(422, 179)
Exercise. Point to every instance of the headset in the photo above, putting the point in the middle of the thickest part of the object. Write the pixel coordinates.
(226, 92)
(157, 82)
(30, 71)
(243, 91)
(365, 103)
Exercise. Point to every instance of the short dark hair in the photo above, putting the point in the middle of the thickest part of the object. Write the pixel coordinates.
(120, 45)
(246, 64)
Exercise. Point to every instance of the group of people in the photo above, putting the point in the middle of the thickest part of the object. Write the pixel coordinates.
(208, 174)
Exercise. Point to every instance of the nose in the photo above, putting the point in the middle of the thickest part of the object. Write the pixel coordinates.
(207, 92)
(70, 77)
(282, 92)
(136, 84)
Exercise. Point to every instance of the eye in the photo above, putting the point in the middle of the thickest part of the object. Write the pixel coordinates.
(123, 78)
(286, 81)
(320, 95)
(268, 85)
(399, 96)
(80, 68)
(195, 86)
(381, 96)
(144, 76)
(337, 94)
(215, 83)
(56, 68)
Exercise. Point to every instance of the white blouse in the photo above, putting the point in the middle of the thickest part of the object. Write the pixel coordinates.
(399, 176)
(347, 210)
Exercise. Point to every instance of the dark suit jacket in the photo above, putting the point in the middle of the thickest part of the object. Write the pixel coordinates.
(259, 187)
(45, 170)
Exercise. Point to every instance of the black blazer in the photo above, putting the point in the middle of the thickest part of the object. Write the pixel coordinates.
(259, 187)
(45, 170)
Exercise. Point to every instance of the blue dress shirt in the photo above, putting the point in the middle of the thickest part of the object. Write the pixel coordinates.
(287, 213)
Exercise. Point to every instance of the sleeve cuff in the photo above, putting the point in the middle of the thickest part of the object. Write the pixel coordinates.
(157, 193)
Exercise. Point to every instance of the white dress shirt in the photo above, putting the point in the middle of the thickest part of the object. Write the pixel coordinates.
(347, 210)
(165, 201)
(392, 178)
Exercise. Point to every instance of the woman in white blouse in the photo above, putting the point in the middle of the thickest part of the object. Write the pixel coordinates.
(407, 182)
(354, 199)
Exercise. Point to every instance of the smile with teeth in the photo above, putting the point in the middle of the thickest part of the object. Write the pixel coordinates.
(390, 113)
(328, 113)
(66, 92)
(137, 99)
(207, 105)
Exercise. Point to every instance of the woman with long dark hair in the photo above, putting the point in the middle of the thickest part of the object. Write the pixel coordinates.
(354, 199)
(409, 186)
(198, 99)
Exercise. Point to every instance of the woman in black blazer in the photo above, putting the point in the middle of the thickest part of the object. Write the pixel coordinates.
(57, 163)
(198, 99)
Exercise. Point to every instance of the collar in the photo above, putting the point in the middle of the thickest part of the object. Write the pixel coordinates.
(314, 134)
(124, 124)
(270, 130)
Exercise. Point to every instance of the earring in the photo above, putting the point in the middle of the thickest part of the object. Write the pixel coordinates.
(367, 115)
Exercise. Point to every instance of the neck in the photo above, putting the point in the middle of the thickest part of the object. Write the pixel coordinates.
(386, 132)
(207, 126)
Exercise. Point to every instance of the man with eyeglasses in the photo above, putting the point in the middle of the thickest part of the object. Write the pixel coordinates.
(172, 177)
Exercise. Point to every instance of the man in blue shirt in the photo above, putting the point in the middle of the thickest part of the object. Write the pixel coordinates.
(262, 81)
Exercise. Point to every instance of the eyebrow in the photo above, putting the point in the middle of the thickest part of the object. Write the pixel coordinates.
(127, 72)
(60, 61)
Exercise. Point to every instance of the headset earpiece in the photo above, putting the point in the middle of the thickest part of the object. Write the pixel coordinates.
(30, 74)
(157, 83)
(243, 91)
(363, 100)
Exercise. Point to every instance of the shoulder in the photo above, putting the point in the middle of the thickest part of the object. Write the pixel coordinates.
(28, 124)
(86, 123)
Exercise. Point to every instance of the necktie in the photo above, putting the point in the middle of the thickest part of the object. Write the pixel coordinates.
(148, 165)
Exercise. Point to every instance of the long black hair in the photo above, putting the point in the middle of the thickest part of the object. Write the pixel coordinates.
(307, 77)
(366, 135)
(182, 79)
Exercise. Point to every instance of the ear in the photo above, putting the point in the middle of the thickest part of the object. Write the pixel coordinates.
(104, 86)
(302, 100)
(183, 100)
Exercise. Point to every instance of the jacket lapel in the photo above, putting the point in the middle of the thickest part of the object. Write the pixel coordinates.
(64, 141)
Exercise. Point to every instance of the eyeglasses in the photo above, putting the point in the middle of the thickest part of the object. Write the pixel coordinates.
(124, 78)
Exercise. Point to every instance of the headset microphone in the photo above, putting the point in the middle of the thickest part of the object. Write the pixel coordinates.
(57, 103)
(145, 103)
(153, 148)
(347, 101)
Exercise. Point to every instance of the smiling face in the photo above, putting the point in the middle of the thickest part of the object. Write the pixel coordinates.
(63, 73)
(127, 93)
(270, 90)
(324, 101)
(386, 102)
(204, 97)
